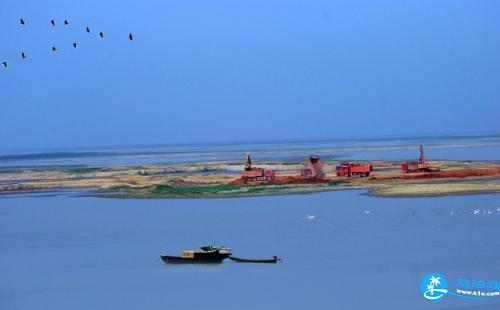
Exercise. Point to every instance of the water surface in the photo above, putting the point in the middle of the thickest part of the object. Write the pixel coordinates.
(65, 251)
(479, 147)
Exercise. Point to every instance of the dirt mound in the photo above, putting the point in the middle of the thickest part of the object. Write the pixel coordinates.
(282, 179)
(461, 173)
(238, 182)
(297, 180)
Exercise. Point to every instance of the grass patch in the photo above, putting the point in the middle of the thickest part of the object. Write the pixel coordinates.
(170, 190)
(334, 183)
(187, 191)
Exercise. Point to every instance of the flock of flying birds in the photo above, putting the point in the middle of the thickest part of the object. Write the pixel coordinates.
(54, 49)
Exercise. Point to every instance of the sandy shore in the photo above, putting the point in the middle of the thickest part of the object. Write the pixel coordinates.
(215, 179)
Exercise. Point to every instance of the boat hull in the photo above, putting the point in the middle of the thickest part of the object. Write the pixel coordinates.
(205, 259)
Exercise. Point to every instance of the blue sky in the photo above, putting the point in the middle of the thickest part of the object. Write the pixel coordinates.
(203, 71)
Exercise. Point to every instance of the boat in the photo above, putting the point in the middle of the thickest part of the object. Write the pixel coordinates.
(205, 255)
(273, 260)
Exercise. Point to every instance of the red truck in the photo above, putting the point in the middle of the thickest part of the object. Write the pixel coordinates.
(313, 169)
(351, 169)
(422, 165)
(415, 166)
(256, 174)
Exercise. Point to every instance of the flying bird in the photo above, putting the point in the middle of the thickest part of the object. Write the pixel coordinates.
(74, 44)
(52, 22)
(21, 21)
(54, 48)
(130, 36)
(4, 64)
(87, 29)
(66, 23)
(101, 35)
(23, 55)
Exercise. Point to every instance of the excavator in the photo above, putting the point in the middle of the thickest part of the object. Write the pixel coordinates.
(256, 174)
(422, 165)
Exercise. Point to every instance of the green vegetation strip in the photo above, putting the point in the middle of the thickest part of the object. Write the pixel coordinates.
(169, 190)
(215, 191)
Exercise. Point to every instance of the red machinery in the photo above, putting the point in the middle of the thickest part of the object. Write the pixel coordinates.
(416, 166)
(313, 169)
(351, 169)
(252, 174)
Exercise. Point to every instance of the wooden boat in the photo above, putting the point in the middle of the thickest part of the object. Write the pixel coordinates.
(206, 255)
(273, 260)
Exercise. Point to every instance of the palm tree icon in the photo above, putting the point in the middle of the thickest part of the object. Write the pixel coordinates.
(434, 281)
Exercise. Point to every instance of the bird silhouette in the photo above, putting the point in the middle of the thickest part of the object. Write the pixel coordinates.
(54, 48)
(87, 29)
(52, 22)
(74, 44)
(66, 23)
(21, 21)
(130, 36)
(23, 55)
(101, 35)
(4, 64)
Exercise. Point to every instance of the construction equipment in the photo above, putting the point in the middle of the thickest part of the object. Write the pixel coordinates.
(352, 169)
(313, 169)
(416, 166)
(256, 174)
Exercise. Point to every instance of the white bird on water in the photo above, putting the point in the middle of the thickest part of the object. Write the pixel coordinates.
(310, 217)
(367, 211)
(476, 211)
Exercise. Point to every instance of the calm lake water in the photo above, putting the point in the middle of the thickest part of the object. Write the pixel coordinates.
(481, 147)
(63, 251)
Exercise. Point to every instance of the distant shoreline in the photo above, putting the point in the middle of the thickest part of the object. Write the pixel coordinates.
(216, 180)
(444, 147)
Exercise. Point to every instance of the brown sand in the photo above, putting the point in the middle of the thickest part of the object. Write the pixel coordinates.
(387, 179)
